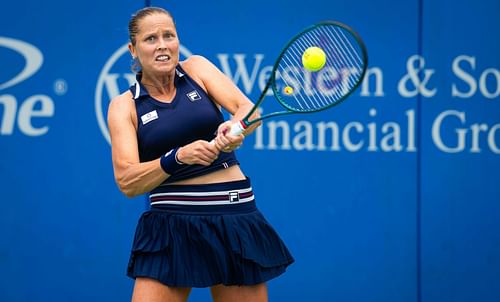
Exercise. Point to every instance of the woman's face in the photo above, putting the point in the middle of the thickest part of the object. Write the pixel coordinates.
(157, 44)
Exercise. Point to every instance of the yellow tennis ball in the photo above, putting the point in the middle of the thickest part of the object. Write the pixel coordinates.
(288, 90)
(313, 58)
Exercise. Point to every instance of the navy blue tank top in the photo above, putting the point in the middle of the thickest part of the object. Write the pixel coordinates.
(191, 116)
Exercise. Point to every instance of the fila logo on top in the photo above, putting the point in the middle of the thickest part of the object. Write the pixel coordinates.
(193, 96)
(115, 78)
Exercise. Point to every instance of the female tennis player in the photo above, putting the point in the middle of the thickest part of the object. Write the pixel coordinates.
(169, 139)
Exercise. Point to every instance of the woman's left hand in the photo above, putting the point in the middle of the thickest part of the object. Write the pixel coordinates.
(226, 142)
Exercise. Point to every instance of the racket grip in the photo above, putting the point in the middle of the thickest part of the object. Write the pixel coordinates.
(237, 128)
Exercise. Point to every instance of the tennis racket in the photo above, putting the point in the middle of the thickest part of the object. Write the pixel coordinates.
(300, 90)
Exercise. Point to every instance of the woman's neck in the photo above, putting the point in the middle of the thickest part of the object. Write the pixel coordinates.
(163, 87)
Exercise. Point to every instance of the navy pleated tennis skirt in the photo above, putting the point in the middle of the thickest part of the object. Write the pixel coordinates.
(204, 235)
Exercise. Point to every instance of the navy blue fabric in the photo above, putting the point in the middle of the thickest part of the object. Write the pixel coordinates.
(201, 246)
(190, 116)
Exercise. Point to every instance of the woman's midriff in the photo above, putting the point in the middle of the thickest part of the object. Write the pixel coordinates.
(230, 174)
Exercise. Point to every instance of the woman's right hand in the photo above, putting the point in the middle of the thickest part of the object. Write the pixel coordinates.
(198, 152)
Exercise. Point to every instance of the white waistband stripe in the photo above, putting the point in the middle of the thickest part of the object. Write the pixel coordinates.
(201, 194)
(203, 198)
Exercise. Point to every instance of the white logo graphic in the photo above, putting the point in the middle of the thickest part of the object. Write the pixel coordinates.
(114, 78)
(18, 112)
(234, 197)
(168, 153)
(148, 117)
(193, 96)
(32, 56)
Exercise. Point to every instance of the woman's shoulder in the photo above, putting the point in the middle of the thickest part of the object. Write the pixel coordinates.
(196, 64)
(122, 102)
(194, 60)
(198, 68)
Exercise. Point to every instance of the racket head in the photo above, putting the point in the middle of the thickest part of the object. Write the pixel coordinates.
(300, 90)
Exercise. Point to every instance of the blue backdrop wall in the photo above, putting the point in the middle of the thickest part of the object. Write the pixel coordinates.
(398, 200)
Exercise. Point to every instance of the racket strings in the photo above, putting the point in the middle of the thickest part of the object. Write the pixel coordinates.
(333, 46)
(349, 55)
(290, 63)
(304, 101)
(305, 96)
(341, 63)
(340, 47)
(342, 72)
(336, 61)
